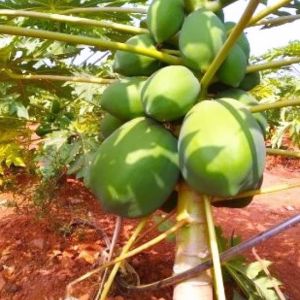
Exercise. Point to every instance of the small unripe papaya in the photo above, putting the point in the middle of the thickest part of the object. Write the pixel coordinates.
(108, 125)
(201, 37)
(165, 18)
(169, 93)
(123, 99)
(132, 64)
(242, 41)
(250, 81)
(220, 15)
(233, 69)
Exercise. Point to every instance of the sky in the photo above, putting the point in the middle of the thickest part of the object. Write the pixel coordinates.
(262, 40)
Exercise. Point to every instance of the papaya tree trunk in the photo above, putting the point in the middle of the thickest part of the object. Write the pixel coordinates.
(192, 247)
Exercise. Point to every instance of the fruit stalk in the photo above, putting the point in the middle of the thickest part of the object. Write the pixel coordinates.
(278, 104)
(267, 11)
(295, 154)
(273, 64)
(60, 78)
(263, 191)
(111, 9)
(73, 20)
(101, 44)
(192, 247)
(277, 21)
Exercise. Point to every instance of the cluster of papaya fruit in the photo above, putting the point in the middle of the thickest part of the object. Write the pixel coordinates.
(157, 131)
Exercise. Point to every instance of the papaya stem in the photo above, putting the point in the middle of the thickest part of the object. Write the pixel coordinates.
(116, 267)
(88, 10)
(267, 11)
(60, 78)
(218, 278)
(131, 253)
(192, 246)
(273, 64)
(295, 154)
(102, 44)
(277, 21)
(73, 20)
(222, 54)
(262, 191)
(278, 104)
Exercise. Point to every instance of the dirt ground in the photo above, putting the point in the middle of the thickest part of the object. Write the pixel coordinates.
(41, 251)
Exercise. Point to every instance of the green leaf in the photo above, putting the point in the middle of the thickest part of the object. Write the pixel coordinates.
(253, 269)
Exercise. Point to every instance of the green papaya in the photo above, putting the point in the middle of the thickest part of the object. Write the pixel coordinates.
(238, 203)
(233, 69)
(123, 99)
(220, 15)
(201, 37)
(132, 64)
(242, 41)
(221, 148)
(250, 81)
(164, 19)
(169, 93)
(247, 99)
(135, 169)
(108, 125)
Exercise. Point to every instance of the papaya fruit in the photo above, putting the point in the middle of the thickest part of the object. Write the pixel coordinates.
(221, 148)
(242, 41)
(132, 64)
(233, 69)
(220, 15)
(170, 93)
(250, 81)
(240, 202)
(123, 99)
(201, 37)
(108, 125)
(135, 169)
(164, 19)
(247, 99)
